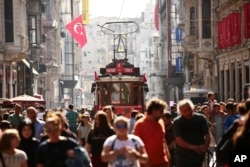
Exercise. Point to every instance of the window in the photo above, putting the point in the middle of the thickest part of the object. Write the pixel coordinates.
(206, 19)
(192, 21)
(120, 93)
(115, 93)
(8, 20)
(32, 30)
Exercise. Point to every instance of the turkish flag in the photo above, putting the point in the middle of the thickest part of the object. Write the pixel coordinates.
(235, 28)
(247, 20)
(77, 30)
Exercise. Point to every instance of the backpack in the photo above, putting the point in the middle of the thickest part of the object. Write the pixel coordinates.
(81, 158)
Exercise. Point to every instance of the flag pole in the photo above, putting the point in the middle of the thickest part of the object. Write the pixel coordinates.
(72, 53)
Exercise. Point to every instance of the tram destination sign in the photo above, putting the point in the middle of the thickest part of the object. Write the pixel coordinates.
(127, 70)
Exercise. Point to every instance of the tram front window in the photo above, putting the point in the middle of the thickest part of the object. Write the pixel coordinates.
(120, 93)
(115, 95)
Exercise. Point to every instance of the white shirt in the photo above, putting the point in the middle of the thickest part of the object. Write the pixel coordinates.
(123, 161)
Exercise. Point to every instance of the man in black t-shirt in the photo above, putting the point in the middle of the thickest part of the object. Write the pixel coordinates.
(191, 136)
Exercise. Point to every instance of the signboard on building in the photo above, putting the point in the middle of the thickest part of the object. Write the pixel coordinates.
(85, 12)
(179, 65)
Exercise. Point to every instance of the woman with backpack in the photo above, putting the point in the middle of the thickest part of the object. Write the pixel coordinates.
(123, 149)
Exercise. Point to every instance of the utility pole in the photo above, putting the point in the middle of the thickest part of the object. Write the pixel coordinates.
(72, 53)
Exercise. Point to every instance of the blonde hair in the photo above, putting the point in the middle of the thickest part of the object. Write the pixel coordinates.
(7, 136)
(121, 118)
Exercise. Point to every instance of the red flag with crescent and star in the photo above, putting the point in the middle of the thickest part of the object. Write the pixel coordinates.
(77, 30)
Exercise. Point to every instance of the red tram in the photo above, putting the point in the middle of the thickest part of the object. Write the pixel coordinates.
(120, 83)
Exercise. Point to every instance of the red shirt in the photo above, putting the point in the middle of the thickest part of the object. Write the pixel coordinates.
(152, 134)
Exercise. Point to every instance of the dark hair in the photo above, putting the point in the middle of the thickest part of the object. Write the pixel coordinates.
(5, 124)
(173, 107)
(209, 94)
(155, 103)
(139, 116)
(133, 113)
(167, 114)
(5, 116)
(104, 125)
(71, 106)
(230, 106)
(26, 122)
(42, 107)
(241, 108)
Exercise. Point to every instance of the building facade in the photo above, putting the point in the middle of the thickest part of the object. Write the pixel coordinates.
(29, 54)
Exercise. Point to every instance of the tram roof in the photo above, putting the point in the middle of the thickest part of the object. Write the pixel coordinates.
(117, 78)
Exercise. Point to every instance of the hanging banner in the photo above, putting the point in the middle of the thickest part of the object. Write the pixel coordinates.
(235, 28)
(157, 15)
(179, 65)
(178, 35)
(228, 32)
(247, 20)
(85, 12)
(223, 33)
(77, 30)
(219, 36)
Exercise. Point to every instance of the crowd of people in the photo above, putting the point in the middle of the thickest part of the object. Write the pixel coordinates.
(177, 136)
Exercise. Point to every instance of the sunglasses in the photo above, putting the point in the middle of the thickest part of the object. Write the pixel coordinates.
(121, 126)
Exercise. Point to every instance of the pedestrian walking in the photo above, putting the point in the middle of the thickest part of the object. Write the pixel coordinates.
(151, 130)
(100, 132)
(39, 124)
(11, 155)
(84, 128)
(217, 121)
(28, 143)
(54, 151)
(110, 114)
(123, 149)
(65, 127)
(191, 136)
(132, 121)
(16, 117)
(72, 117)
(169, 135)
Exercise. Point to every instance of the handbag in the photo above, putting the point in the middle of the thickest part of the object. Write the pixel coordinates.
(2, 159)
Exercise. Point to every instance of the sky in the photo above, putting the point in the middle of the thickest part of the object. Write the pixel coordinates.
(117, 8)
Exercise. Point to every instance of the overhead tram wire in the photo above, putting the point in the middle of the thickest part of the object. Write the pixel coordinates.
(121, 10)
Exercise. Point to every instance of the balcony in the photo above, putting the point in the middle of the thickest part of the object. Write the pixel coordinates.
(52, 23)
